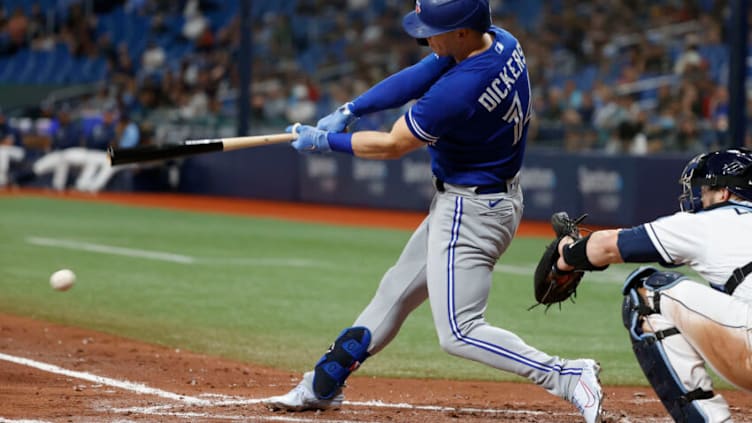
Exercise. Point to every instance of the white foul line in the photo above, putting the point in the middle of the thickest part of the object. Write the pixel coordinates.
(164, 411)
(441, 408)
(225, 400)
(122, 384)
(109, 249)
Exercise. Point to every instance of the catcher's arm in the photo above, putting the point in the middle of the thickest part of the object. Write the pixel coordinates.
(555, 281)
(598, 250)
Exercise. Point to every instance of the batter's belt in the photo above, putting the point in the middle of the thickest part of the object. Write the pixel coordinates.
(501, 187)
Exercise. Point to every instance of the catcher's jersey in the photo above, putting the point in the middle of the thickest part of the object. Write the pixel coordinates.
(475, 117)
(713, 242)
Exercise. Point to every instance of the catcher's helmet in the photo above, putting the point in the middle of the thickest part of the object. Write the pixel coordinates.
(433, 17)
(731, 168)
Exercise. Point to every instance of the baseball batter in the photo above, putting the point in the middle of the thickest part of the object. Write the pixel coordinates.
(472, 113)
(677, 325)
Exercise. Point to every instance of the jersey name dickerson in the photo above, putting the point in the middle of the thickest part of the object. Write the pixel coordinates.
(500, 87)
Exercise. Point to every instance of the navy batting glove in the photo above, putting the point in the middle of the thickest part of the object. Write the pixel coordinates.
(338, 120)
(310, 139)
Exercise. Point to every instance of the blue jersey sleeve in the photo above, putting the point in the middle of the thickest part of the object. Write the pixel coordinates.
(405, 85)
(436, 113)
(635, 246)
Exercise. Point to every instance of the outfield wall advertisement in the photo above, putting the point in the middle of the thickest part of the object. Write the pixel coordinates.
(613, 190)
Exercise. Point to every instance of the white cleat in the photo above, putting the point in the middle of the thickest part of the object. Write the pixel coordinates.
(302, 398)
(588, 395)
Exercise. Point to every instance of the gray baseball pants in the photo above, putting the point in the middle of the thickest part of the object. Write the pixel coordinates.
(449, 260)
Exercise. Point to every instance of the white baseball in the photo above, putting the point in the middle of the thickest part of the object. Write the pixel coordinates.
(63, 279)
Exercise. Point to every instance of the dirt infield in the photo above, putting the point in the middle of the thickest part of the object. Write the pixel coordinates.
(54, 373)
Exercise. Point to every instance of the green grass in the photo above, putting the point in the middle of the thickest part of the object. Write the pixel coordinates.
(244, 299)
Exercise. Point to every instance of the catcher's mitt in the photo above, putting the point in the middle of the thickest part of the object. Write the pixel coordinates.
(552, 286)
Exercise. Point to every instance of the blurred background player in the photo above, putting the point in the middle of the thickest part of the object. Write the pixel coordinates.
(472, 113)
(11, 149)
(81, 146)
(66, 148)
(676, 325)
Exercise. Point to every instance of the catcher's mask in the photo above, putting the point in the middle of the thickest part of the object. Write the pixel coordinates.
(731, 169)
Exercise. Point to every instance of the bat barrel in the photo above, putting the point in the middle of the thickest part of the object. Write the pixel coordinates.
(149, 153)
(119, 156)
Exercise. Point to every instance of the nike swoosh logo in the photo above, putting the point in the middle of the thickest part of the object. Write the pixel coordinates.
(493, 203)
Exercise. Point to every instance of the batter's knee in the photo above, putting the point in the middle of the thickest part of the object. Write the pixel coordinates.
(454, 339)
(450, 344)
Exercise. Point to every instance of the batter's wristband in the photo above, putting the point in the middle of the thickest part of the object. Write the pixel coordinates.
(339, 141)
(575, 255)
(349, 110)
(353, 109)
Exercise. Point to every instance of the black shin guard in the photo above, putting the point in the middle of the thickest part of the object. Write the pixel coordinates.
(349, 350)
(648, 348)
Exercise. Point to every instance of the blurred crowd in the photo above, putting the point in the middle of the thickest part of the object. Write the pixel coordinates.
(618, 76)
(630, 76)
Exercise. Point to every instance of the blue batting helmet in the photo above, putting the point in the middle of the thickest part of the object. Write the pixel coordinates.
(433, 17)
(731, 169)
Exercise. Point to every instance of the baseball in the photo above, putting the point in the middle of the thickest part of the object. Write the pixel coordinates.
(63, 279)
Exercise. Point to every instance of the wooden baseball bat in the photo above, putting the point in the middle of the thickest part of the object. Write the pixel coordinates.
(147, 153)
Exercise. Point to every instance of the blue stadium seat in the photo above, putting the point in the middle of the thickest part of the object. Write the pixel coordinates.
(12, 5)
(586, 77)
(178, 49)
(42, 68)
(262, 7)
(5, 65)
(62, 72)
(174, 23)
(18, 65)
(92, 70)
(220, 18)
(717, 58)
(99, 71)
(61, 50)
(527, 12)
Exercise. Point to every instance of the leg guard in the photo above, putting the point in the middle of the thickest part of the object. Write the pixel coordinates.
(349, 350)
(652, 278)
(650, 353)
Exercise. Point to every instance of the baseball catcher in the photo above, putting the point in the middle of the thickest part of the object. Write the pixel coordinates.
(681, 325)
(553, 285)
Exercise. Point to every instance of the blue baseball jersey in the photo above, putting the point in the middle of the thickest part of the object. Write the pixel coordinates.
(475, 116)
